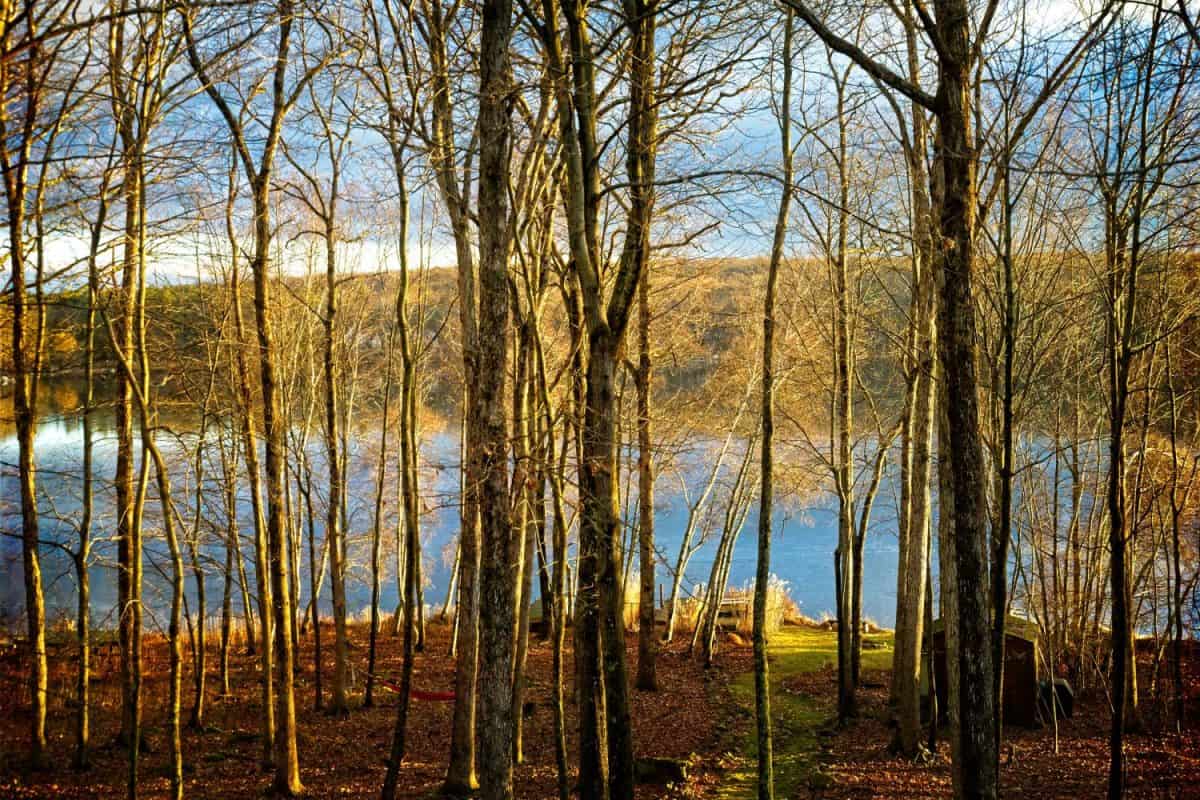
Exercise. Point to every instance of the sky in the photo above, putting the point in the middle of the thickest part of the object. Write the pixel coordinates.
(738, 224)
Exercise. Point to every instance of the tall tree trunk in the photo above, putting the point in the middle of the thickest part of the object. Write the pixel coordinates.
(640, 18)
(200, 643)
(766, 507)
(408, 496)
(600, 564)
(333, 519)
(555, 469)
(1179, 498)
(976, 766)
(912, 601)
(174, 638)
(647, 674)
(843, 424)
(460, 775)
(82, 757)
(232, 551)
(315, 568)
(253, 473)
(377, 532)
(287, 769)
(524, 519)
(408, 602)
(1002, 535)
(130, 493)
(24, 359)
(860, 540)
(499, 570)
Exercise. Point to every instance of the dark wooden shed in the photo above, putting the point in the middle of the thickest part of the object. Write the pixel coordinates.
(1021, 670)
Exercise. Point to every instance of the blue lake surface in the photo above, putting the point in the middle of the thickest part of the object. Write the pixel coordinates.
(802, 550)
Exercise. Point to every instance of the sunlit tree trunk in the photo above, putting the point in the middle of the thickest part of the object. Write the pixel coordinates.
(247, 417)
(333, 458)
(915, 544)
(766, 506)
(130, 493)
(26, 353)
(842, 425)
(640, 19)
(377, 531)
(460, 774)
(499, 569)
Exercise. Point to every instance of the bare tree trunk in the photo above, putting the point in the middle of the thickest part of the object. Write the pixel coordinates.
(409, 600)
(82, 757)
(976, 766)
(130, 495)
(175, 644)
(522, 496)
(1179, 498)
(377, 532)
(640, 19)
(860, 539)
(460, 775)
(842, 425)
(137, 374)
(287, 770)
(253, 473)
(498, 569)
(647, 675)
(912, 602)
(29, 77)
(556, 464)
(200, 641)
(766, 507)
(334, 532)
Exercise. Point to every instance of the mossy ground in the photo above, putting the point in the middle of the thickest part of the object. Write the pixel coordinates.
(797, 717)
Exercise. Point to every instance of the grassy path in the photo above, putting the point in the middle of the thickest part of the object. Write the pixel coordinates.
(798, 718)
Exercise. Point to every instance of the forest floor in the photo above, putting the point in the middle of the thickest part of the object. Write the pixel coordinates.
(701, 717)
(341, 756)
(814, 758)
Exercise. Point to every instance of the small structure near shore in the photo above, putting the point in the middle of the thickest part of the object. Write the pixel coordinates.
(1022, 671)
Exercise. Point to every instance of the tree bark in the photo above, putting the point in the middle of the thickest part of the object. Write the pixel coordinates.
(762, 681)
(976, 767)
(499, 570)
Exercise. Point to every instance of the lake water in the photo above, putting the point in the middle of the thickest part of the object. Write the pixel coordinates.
(802, 550)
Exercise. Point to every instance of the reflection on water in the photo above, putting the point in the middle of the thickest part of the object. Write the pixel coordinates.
(805, 534)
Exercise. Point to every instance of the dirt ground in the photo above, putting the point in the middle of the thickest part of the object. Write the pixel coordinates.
(1159, 764)
(339, 757)
(696, 717)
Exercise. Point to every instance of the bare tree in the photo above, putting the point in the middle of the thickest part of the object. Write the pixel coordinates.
(258, 173)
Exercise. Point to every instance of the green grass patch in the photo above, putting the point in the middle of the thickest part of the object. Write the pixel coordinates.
(796, 718)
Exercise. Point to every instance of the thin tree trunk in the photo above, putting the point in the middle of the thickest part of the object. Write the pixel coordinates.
(647, 675)
(377, 533)
(842, 425)
(762, 682)
(226, 631)
(913, 600)
(860, 539)
(82, 757)
(314, 583)
(253, 473)
(558, 622)
(333, 519)
(400, 731)
(524, 520)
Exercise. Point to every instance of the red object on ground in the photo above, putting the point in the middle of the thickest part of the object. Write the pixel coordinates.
(416, 694)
